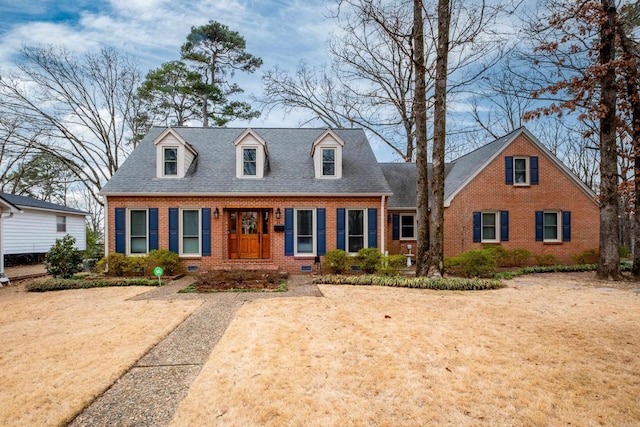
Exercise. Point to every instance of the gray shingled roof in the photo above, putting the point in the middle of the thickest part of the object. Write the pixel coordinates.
(402, 180)
(30, 202)
(291, 165)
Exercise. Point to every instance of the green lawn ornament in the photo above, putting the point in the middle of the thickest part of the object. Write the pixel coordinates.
(158, 271)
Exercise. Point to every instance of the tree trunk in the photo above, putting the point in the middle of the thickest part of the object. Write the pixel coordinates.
(609, 262)
(436, 253)
(420, 111)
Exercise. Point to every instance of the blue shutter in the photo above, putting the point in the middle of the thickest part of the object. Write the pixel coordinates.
(504, 226)
(508, 170)
(372, 224)
(533, 164)
(153, 229)
(174, 244)
(120, 234)
(395, 229)
(288, 231)
(206, 231)
(566, 226)
(477, 226)
(539, 228)
(340, 226)
(321, 230)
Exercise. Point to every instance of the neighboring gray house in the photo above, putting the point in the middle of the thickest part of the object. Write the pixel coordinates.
(29, 227)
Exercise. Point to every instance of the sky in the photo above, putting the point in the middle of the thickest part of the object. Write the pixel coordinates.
(281, 32)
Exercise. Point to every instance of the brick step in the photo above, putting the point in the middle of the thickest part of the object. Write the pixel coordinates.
(247, 265)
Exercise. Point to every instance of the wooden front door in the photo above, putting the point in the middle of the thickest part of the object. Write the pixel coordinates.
(249, 234)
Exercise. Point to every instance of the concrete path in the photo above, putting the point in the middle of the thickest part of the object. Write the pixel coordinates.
(150, 392)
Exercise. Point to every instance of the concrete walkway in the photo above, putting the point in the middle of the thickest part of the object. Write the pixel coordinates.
(150, 392)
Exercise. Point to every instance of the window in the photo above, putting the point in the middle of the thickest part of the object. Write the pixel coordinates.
(551, 226)
(190, 232)
(520, 171)
(489, 226)
(61, 224)
(355, 230)
(249, 162)
(170, 161)
(304, 238)
(137, 231)
(328, 162)
(408, 227)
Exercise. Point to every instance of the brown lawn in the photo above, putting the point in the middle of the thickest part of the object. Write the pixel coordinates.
(59, 350)
(530, 354)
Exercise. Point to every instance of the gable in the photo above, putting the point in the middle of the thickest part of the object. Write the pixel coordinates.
(174, 155)
(326, 151)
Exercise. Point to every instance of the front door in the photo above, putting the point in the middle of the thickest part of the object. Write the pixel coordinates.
(249, 234)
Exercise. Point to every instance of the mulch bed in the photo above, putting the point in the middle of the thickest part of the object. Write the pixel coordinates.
(242, 280)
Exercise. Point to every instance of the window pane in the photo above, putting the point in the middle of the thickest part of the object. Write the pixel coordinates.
(488, 219)
(305, 223)
(190, 245)
(356, 222)
(305, 244)
(61, 223)
(489, 233)
(551, 226)
(328, 155)
(407, 222)
(232, 222)
(265, 222)
(170, 161)
(170, 168)
(520, 171)
(249, 161)
(138, 245)
(355, 243)
(328, 169)
(170, 154)
(139, 223)
(190, 223)
(328, 162)
(489, 229)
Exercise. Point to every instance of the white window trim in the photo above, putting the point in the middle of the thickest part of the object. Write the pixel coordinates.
(160, 160)
(64, 222)
(497, 225)
(128, 227)
(164, 160)
(260, 159)
(558, 227)
(327, 142)
(181, 234)
(314, 233)
(415, 226)
(365, 228)
(527, 173)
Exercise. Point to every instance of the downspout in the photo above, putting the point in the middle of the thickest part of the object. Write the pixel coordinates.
(106, 227)
(2, 217)
(383, 225)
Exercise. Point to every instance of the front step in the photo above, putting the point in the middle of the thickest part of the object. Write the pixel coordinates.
(247, 265)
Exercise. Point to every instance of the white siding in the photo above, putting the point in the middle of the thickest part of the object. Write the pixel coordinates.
(34, 231)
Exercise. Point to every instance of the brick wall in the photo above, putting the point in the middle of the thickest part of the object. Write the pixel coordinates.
(219, 236)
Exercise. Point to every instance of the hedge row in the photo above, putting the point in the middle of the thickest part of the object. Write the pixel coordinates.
(45, 285)
(446, 283)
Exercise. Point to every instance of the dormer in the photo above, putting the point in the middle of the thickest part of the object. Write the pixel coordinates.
(174, 155)
(327, 155)
(251, 155)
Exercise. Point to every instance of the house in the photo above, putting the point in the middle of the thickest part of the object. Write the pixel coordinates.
(31, 226)
(281, 198)
(511, 192)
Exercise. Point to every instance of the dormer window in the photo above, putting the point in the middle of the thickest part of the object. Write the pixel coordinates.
(327, 155)
(174, 155)
(170, 161)
(251, 155)
(249, 162)
(328, 162)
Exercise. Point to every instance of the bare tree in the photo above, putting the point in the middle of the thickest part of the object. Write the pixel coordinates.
(11, 154)
(79, 107)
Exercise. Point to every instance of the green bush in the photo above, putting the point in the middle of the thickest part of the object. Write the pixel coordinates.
(135, 266)
(587, 257)
(63, 284)
(335, 261)
(169, 261)
(477, 263)
(113, 265)
(63, 259)
(391, 265)
(519, 257)
(447, 283)
(545, 259)
(369, 259)
(508, 258)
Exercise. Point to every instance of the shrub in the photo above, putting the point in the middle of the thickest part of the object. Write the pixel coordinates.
(63, 259)
(624, 252)
(446, 283)
(500, 254)
(335, 261)
(166, 259)
(545, 259)
(134, 266)
(391, 265)
(369, 259)
(518, 257)
(113, 265)
(63, 284)
(477, 263)
(587, 257)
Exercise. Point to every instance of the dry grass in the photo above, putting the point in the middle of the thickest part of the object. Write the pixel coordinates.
(524, 355)
(62, 349)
